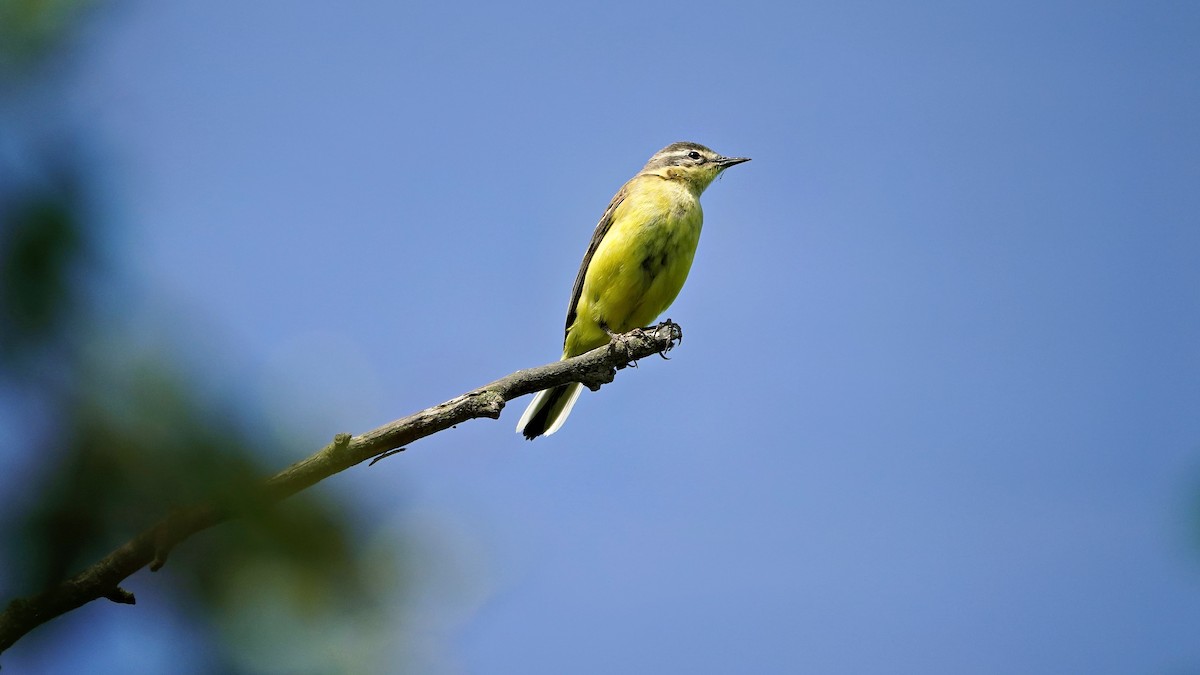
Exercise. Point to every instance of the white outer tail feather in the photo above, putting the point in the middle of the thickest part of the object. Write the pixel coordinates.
(539, 400)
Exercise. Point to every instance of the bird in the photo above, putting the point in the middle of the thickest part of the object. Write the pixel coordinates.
(635, 265)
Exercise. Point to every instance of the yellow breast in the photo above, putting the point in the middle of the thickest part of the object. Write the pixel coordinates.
(641, 263)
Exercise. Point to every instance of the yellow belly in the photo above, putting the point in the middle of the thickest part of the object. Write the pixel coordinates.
(641, 264)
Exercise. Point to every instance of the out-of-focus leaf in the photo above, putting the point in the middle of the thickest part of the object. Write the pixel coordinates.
(30, 29)
(41, 244)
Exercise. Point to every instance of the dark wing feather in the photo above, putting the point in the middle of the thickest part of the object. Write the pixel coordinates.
(602, 228)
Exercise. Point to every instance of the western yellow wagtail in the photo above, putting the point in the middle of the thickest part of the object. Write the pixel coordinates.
(635, 265)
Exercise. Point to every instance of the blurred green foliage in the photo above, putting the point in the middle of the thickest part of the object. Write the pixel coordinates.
(41, 245)
(113, 437)
(31, 29)
(42, 252)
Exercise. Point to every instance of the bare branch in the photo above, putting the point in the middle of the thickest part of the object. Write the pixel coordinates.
(151, 547)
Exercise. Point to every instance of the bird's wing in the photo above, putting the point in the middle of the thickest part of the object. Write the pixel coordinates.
(602, 228)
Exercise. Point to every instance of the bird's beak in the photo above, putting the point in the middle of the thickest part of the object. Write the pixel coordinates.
(726, 162)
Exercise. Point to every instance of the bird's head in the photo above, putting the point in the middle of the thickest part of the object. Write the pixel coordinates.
(690, 162)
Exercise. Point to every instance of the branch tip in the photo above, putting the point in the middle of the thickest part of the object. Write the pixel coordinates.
(120, 596)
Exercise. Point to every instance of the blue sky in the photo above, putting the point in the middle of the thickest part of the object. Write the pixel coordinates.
(936, 408)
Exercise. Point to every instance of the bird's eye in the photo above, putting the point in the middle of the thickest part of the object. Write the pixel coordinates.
(694, 155)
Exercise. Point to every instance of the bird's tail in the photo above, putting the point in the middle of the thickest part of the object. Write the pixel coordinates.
(548, 410)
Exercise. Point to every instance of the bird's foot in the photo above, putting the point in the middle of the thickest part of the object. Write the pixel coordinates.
(673, 331)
